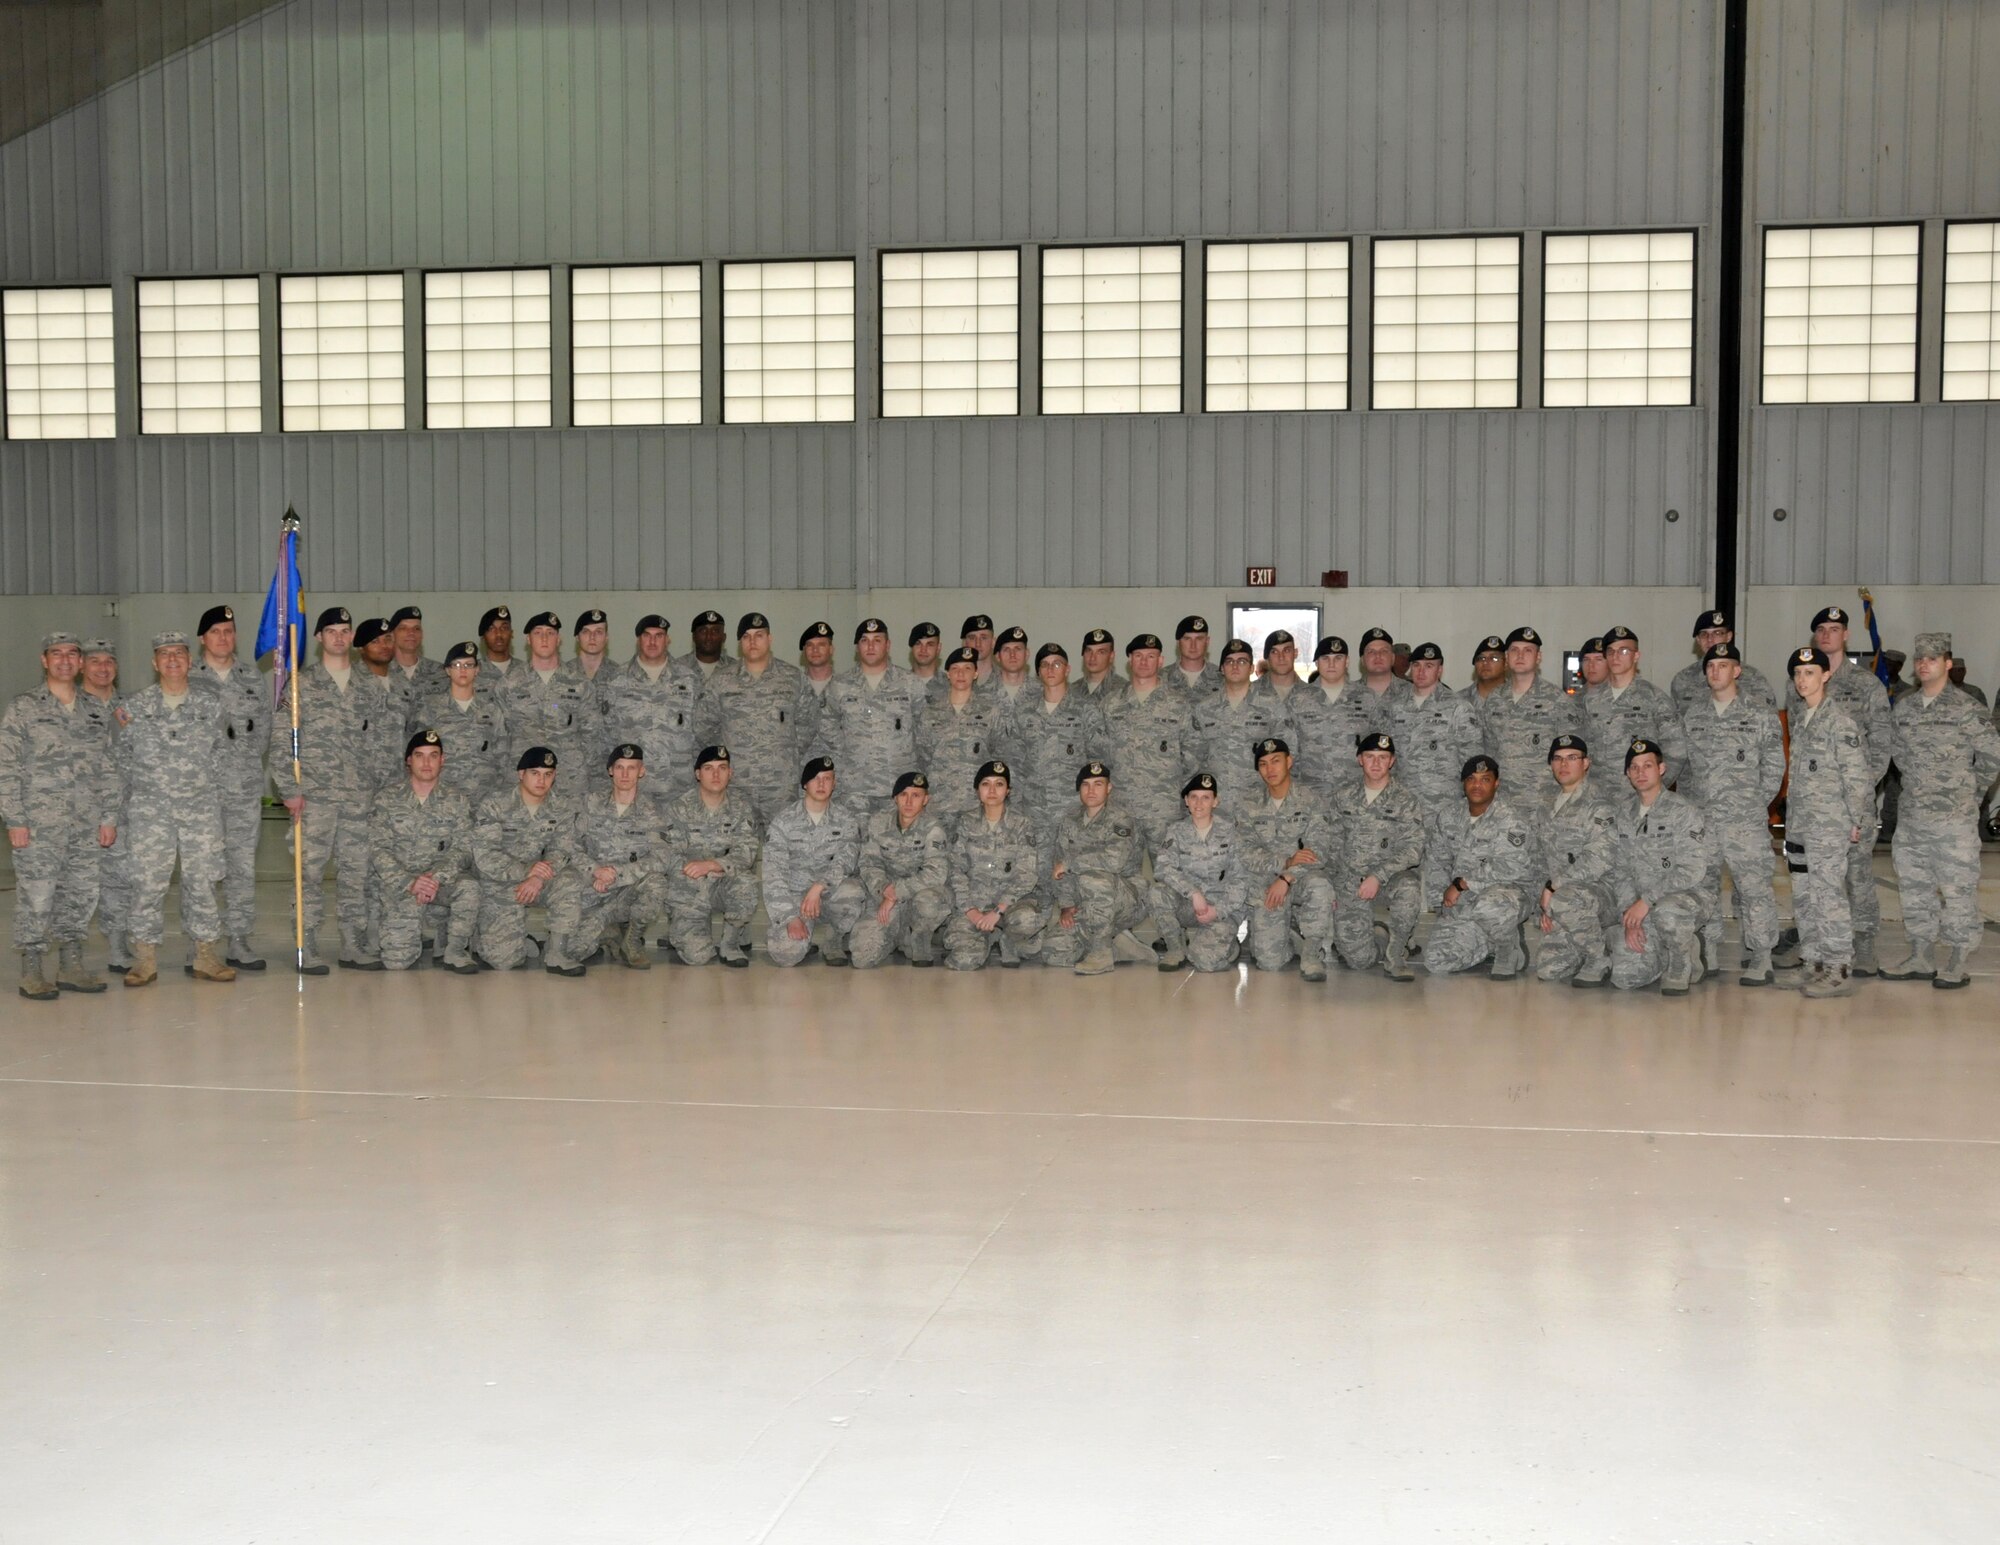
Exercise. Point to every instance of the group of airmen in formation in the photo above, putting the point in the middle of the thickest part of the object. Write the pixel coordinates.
(975, 805)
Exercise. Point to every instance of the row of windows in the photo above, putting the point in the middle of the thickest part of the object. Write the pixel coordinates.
(1840, 325)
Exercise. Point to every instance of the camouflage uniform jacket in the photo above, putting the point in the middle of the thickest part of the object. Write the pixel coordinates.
(1227, 734)
(1215, 865)
(1735, 759)
(1865, 700)
(1502, 847)
(1150, 742)
(1689, 688)
(559, 710)
(1614, 719)
(765, 720)
(408, 837)
(247, 716)
(729, 835)
(995, 863)
(1327, 729)
(1948, 754)
(1110, 844)
(1382, 839)
(478, 750)
(1050, 744)
(55, 765)
(916, 856)
(633, 842)
(1518, 732)
(1435, 737)
(800, 853)
(1273, 830)
(953, 742)
(1665, 850)
(871, 728)
(662, 717)
(510, 837)
(1580, 841)
(389, 708)
(336, 729)
(171, 755)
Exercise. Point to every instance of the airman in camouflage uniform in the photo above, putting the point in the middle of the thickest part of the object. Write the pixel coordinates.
(1055, 731)
(655, 703)
(170, 749)
(713, 839)
(1200, 896)
(958, 732)
(1628, 707)
(707, 659)
(1488, 845)
(1735, 766)
(386, 693)
(869, 720)
(1528, 712)
(1098, 853)
(418, 674)
(812, 858)
(906, 873)
(926, 646)
(761, 712)
(1689, 687)
(1829, 810)
(1580, 892)
(1948, 753)
(1381, 691)
(1329, 716)
(246, 718)
(1378, 827)
(1489, 673)
(1288, 844)
(420, 864)
(1437, 731)
(623, 862)
(523, 850)
(1228, 725)
(1191, 671)
(1100, 681)
(1666, 879)
(59, 800)
(551, 703)
(471, 725)
(100, 699)
(1149, 742)
(996, 879)
(816, 653)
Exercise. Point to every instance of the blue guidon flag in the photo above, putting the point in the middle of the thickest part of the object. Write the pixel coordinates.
(284, 607)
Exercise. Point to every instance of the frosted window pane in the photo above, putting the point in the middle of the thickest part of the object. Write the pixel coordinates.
(340, 351)
(1111, 329)
(57, 347)
(1446, 329)
(199, 357)
(1840, 308)
(1601, 293)
(635, 339)
(950, 326)
(1275, 326)
(788, 342)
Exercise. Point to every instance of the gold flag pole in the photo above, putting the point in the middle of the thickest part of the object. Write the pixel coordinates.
(293, 654)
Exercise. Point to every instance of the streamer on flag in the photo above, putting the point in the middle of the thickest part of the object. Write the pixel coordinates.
(279, 629)
(1880, 663)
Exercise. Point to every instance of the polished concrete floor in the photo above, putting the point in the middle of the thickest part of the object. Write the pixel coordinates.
(825, 1256)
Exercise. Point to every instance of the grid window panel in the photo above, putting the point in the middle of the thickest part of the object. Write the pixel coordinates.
(1111, 329)
(1840, 314)
(1618, 319)
(951, 333)
(57, 348)
(200, 370)
(1972, 312)
(340, 351)
(1275, 317)
(486, 349)
(1447, 328)
(635, 341)
(788, 342)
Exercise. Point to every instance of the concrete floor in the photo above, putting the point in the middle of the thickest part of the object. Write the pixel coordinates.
(825, 1256)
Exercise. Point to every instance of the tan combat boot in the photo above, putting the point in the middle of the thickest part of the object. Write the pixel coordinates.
(34, 984)
(72, 975)
(145, 967)
(637, 956)
(209, 966)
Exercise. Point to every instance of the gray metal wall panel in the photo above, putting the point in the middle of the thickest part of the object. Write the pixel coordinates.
(52, 201)
(51, 495)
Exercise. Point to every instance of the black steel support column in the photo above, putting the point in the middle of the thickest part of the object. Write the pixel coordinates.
(1729, 305)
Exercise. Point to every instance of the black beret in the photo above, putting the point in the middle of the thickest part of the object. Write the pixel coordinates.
(590, 618)
(1051, 651)
(334, 616)
(962, 656)
(421, 738)
(812, 769)
(1095, 637)
(1807, 656)
(1377, 636)
(1493, 643)
(1722, 651)
(403, 614)
(1140, 641)
(625, 751)
(214, 615)
(1427, 652)
(494, 614)
(978, 622)
(371, 629)
(707, 619)
(1524, 636)
(465, 651)
(1375, 742)
(1270, 745)
(815, 630)
(650, 620)
(1278, 637)
(1189, 625)
(1620, 635)
(924, 630)
(993, 770)
(1829, 614)
(1014, 635)
(1091, 770)
(1480, 763)
(1333, 643)
(1640, 748)
(1568, 743)
(1593, 645)
(1709, 620)
(709, 754)
(536, 757)
(1203, 783)
(544, 620)
(912, 780)
(750, 620)
(1237, 646)
(871, 627)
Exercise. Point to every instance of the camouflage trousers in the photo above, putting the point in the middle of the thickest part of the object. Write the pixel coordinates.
(1155, 810)
(114, 885)
(1670, 934)
(503, 921)
(1579, 914)
(402, 921)
(1306, 912)
(166, 836)
(335, 830)
(693, 904)
(242, 821)
(1745, 845)
(840, 908)
(1106, 906)
(1863, 904)
(967, 948)
(603, 912)
(1400, 901)
(56, 883)
(1208, 946)
(1482, 924)
(1937, 875)
(1821, 867)
(918, 914)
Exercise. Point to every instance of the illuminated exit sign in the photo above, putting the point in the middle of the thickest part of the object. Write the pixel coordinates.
(1261, 579)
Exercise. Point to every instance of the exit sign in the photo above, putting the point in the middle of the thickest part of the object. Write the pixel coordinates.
(1261, 579)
